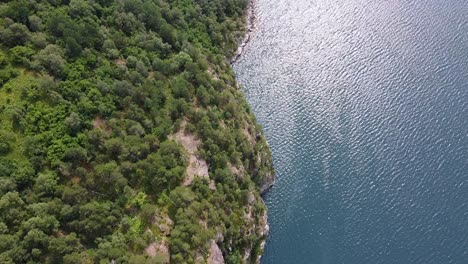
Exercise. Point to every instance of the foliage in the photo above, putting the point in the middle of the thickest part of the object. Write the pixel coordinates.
(91, 95)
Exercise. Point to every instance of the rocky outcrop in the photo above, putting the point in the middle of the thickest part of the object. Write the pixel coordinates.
(263, 157)
(197, 166)
(216, 256)
(258, 226)
(163, 222)
(237, 170)
(267, 183)
(159, 251)
(249, 29)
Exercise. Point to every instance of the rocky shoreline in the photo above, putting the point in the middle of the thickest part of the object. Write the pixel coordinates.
(264, 228)
(249, 29)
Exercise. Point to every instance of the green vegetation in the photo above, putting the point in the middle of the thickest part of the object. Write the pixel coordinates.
(91, 96)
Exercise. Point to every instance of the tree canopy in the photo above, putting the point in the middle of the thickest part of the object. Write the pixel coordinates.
(95, 97)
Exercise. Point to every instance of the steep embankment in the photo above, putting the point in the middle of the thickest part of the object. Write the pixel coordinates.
(250, 20)
(123, 137)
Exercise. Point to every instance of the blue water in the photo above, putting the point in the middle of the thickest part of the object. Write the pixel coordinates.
(365, 106)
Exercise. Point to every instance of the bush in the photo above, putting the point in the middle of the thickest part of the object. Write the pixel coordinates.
(21, 55)
(4, 148)
(7, 74)
(3, 60)
(15, 34)
(35, 23)
(51, 59)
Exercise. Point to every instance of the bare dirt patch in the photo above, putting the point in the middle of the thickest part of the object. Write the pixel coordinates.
(120, 62)
(99, 123)
(249, 136)
(159, 250)
(213, 73)
(197, 166)
(236, 170)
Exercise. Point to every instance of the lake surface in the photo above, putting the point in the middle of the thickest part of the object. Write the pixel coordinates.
(365, 107)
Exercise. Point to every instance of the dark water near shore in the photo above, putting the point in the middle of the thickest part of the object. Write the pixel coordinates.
(365, 106)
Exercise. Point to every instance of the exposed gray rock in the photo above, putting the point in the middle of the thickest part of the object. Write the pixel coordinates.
(267, 183)
(250, 26)
(216, 256)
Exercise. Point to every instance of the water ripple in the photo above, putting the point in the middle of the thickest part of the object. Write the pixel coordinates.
(365, 105)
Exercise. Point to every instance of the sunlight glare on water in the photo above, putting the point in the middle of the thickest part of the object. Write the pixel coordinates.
(365, 106)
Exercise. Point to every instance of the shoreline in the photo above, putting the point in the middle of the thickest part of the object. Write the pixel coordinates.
(249, 29)
(251, 19)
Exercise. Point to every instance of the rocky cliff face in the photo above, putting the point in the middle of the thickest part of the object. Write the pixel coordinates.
(250, 19)
(216, 256)
(264, 174)
(267, 183)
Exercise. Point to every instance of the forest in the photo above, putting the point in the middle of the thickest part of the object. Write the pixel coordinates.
(123, 135)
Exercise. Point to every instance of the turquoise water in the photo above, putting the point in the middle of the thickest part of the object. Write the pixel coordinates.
(365, 107)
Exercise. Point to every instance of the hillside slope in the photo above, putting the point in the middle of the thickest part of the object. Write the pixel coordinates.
(123, 137)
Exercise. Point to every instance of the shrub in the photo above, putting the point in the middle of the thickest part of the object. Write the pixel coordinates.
(4, 148)
(21, 55)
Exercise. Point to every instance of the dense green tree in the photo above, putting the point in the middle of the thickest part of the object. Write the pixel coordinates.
(15, 34)
(50, 59)
(96, 220)
(12, 209)
(3, 59)
(62, 246)
(104, 106)
(21, 55)
(74, 123)
(107, 179)
(46, 184)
